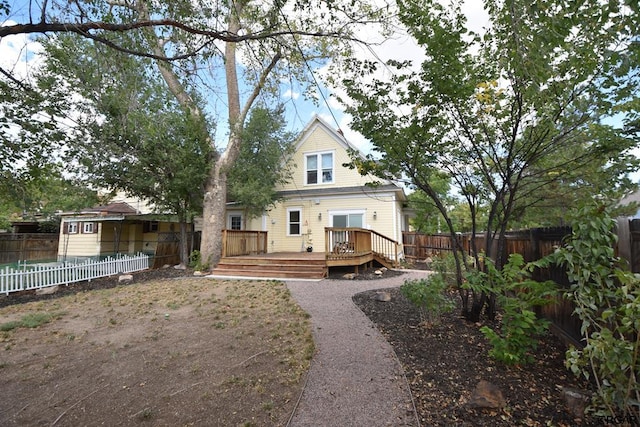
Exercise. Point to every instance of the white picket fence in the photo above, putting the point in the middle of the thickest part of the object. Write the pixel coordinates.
(36, 276)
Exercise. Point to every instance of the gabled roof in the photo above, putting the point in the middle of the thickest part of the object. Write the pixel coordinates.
(337, 135)
(112, 208)
(119, 209)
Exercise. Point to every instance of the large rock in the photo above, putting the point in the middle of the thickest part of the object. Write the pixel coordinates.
(125, 278)
(382, 296)
(487, 396)
(576, 400)
(48, 290)
(349, 276)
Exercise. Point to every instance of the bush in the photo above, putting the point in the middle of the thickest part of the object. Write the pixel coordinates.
(607, 300)
(429, 296)
(517, 296)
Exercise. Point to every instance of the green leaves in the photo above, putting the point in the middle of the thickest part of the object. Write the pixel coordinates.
(607, 301)
(263, 162)
(517, 296)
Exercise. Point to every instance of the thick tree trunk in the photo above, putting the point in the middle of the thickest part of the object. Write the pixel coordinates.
(215, 199)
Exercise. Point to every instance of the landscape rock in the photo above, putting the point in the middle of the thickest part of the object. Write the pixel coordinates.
(576, 400)
(48, 290)
(487, 396)
(382, 296)
(349, 276)
(125, 278)
(198, 273)
(166, 266)
(180, 267)
(378, 272)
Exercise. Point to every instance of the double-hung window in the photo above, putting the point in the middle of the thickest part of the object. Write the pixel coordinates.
(294, 225)
(319, 168)
(235, 222)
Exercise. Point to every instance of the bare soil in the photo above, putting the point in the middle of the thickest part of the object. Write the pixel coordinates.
(167, 351)
(444, 362)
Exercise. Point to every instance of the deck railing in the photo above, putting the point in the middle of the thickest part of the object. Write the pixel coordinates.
(243, 242)
(345, 243)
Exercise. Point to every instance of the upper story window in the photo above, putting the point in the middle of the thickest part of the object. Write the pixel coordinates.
(319, 168)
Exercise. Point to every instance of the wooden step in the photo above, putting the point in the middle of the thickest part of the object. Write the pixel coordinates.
(271, 267)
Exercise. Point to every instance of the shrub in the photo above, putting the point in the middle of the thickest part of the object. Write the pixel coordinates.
(429, 296)
(517, 296)
(607, 300)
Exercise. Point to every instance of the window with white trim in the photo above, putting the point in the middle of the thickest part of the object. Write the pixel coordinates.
(294, 225)
(72, 228)
(88, 227)
(235, 222)
(319, 168)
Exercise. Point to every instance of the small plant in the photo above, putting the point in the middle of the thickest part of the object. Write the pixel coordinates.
(517, 295)
(429, 296)
(195, 261)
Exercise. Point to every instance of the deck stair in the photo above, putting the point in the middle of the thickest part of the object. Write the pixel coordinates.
(277, 267)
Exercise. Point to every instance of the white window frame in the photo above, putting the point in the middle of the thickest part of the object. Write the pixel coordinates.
(289, 223)
(88, 228)
(347, 213)
(320, 171)
(231, 216)
(72, 227)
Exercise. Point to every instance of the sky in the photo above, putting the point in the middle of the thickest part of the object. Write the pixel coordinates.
(19, 55)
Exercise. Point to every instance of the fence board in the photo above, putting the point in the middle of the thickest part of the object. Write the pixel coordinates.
(37, 276)
(28, 246)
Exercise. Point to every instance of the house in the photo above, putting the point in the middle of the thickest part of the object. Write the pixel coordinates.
(124, 226)
(324, 193)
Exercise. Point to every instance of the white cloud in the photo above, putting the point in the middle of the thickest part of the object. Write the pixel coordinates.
(19, 54)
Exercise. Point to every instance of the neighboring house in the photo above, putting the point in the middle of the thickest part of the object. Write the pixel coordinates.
(111, 229)
(324, 193)
(633, 198)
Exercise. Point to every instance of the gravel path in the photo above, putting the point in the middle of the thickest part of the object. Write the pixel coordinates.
(355, 378)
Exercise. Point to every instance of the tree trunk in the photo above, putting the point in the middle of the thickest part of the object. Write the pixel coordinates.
(215, 199)
(184, 243)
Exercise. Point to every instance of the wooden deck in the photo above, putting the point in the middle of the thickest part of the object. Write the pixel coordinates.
(245, 255)
(280, 265)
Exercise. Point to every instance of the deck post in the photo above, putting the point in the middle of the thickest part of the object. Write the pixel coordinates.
(224, 243)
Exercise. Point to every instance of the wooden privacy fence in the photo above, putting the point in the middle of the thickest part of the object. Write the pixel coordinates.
(28, 246)
(532, 244)
(168, 248)
(38, 276)
(243, 242)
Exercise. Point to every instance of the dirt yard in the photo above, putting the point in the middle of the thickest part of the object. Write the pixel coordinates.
(162, 352)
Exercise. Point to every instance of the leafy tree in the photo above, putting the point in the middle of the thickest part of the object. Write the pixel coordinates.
(246, 48)
(427, 218)
(41, 194)
(137, 137)
(262, 163)
(507, 113)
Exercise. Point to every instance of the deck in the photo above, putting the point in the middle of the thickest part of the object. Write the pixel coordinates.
(245, 255)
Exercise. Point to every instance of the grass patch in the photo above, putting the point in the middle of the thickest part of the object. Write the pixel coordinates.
(31, 320)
